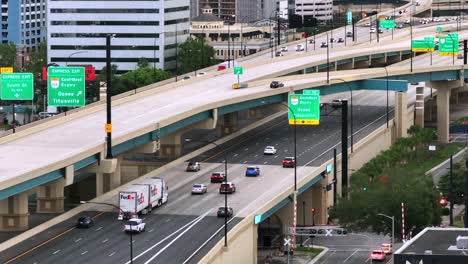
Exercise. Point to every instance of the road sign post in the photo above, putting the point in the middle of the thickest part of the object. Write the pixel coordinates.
(304, 109)
(238, 71)
(66, 86)
(17, 86)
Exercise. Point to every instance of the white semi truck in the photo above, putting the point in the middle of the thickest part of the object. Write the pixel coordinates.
(142, 197)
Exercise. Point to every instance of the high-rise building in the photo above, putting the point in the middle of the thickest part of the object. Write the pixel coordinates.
(148, 29)
(322, 10)
(241, 11)
(23, 22)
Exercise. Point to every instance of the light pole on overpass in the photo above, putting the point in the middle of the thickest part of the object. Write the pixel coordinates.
(74, 53)
(351, 100)
(108, 96)
(120, 209)
(225, 180)
(386, 72)
(393, 226)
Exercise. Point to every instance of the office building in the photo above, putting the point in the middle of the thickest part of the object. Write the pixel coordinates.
(148, 29)
(23, 22)
(322, 10)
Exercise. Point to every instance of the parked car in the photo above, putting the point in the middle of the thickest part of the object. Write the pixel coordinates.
(279, 54)
(377, 255)
(222, 212)
(199, 189)
(227, 187)
(252, 171)
(300, 47)
(193, 166)
(288, 162)
(276, 84)
(84, 222)
(239, 85)
(386, 248)
(135, 225)
(269, 150)
(218, 177)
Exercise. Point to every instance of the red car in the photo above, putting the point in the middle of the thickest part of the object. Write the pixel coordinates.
(377, 255)
(289, 162)
(218, 177)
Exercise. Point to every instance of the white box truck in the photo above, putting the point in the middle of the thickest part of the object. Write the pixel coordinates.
(132, 200)
(148, 192)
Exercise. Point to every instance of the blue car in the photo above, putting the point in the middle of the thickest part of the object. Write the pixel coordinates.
(252, 171)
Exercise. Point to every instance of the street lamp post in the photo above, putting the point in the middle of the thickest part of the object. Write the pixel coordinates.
(386, 71)
(351, 100)
(328, 58)
(226, 180)
(108, 97)
(393, 226)
(74, 53)
(120, 209)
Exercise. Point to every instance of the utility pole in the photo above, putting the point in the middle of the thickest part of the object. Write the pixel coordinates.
(334, 177)
(451, 191)
(108, 97)
(344, 149)
(278, 25)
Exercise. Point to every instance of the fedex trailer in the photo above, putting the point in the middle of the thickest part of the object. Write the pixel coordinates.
(132, 200)
(156, 190)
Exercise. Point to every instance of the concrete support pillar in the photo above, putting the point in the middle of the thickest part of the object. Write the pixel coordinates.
(312, 198)
(100, 190)
(228, 123)
(401, 114)
(393, 59)
(253, 113)
(345, 66)
(14, 213)
(50, 197)
(109, 181)
(170, 145)
(362, 64)
(443, 106)
(419, 107)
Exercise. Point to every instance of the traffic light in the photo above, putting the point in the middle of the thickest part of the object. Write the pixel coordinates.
(313, 210)
(364, 188)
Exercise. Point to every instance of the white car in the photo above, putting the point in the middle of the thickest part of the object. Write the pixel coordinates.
(407, 21)
(135, 225)
(300, 47)
(269, 150)
(284, 49)
(367, 24)
(199, 189)
(201, 74)
(372, 30)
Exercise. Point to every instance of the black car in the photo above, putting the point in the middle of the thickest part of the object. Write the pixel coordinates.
(276, 84)
(349, 34)
(223, 213)
(84, 222)
(324, 45)
(340, 40)
(336, 103)
(311, 41)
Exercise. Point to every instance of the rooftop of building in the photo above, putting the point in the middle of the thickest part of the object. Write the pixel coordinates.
(441, 241)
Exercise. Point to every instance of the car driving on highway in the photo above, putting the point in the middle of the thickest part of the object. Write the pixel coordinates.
(218, 177)
(289, 162)
(193, 166)
(199, 189)
(386, 248)
(252, 171)
(284, 49)
(227, 187)
(222, 212)
(84, 222)
(135, 225)
(269, 150)
(239, 85)
(323, 45)
(279, 54)
(300, 47)
(276, 84)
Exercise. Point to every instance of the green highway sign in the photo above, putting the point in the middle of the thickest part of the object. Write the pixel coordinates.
(17, 86)
(387, 24)
(304, 109)
(349, 17)
(66, 86)
(423, 45)
(238, 70)
(448, 45)
(439, 29)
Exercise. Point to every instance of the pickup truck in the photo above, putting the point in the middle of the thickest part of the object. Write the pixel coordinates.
(135, 225)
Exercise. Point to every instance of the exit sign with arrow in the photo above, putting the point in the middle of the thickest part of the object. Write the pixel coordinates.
(17, 86)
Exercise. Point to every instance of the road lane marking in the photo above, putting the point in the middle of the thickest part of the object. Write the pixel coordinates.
(235, 155)
(390, 260)
(166, 238)
(167, 220)
(176, 238)
(265, 162)
(84, 252)
(79, 239)
(57, 251)
(99, 228)
(151, 231)
(45, 242)
(256, 155)
(105, 240)
(112, 254)
(245, 161)
(350, 256)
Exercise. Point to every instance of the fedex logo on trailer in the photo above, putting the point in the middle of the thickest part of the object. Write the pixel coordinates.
(154, 190)
(127, 197)
(140, 199)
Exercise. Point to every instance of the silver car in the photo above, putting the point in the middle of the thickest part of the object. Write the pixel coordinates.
(199, 189)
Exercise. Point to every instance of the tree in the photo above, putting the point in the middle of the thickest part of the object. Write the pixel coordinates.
(37, 59)
(143, 76)
(117, 85)
(7, 54)
(143, 62)
(195, 54)
(458, 183)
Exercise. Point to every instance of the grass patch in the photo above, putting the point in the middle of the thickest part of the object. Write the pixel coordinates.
(308, 251)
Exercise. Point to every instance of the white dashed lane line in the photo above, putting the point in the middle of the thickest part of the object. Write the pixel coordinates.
(84, 252)
(99, 228)
(112, 254)
(245, 162)
(56, 252)
(151, 231)
(78, 240)
(266, 162)
(105, 240)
